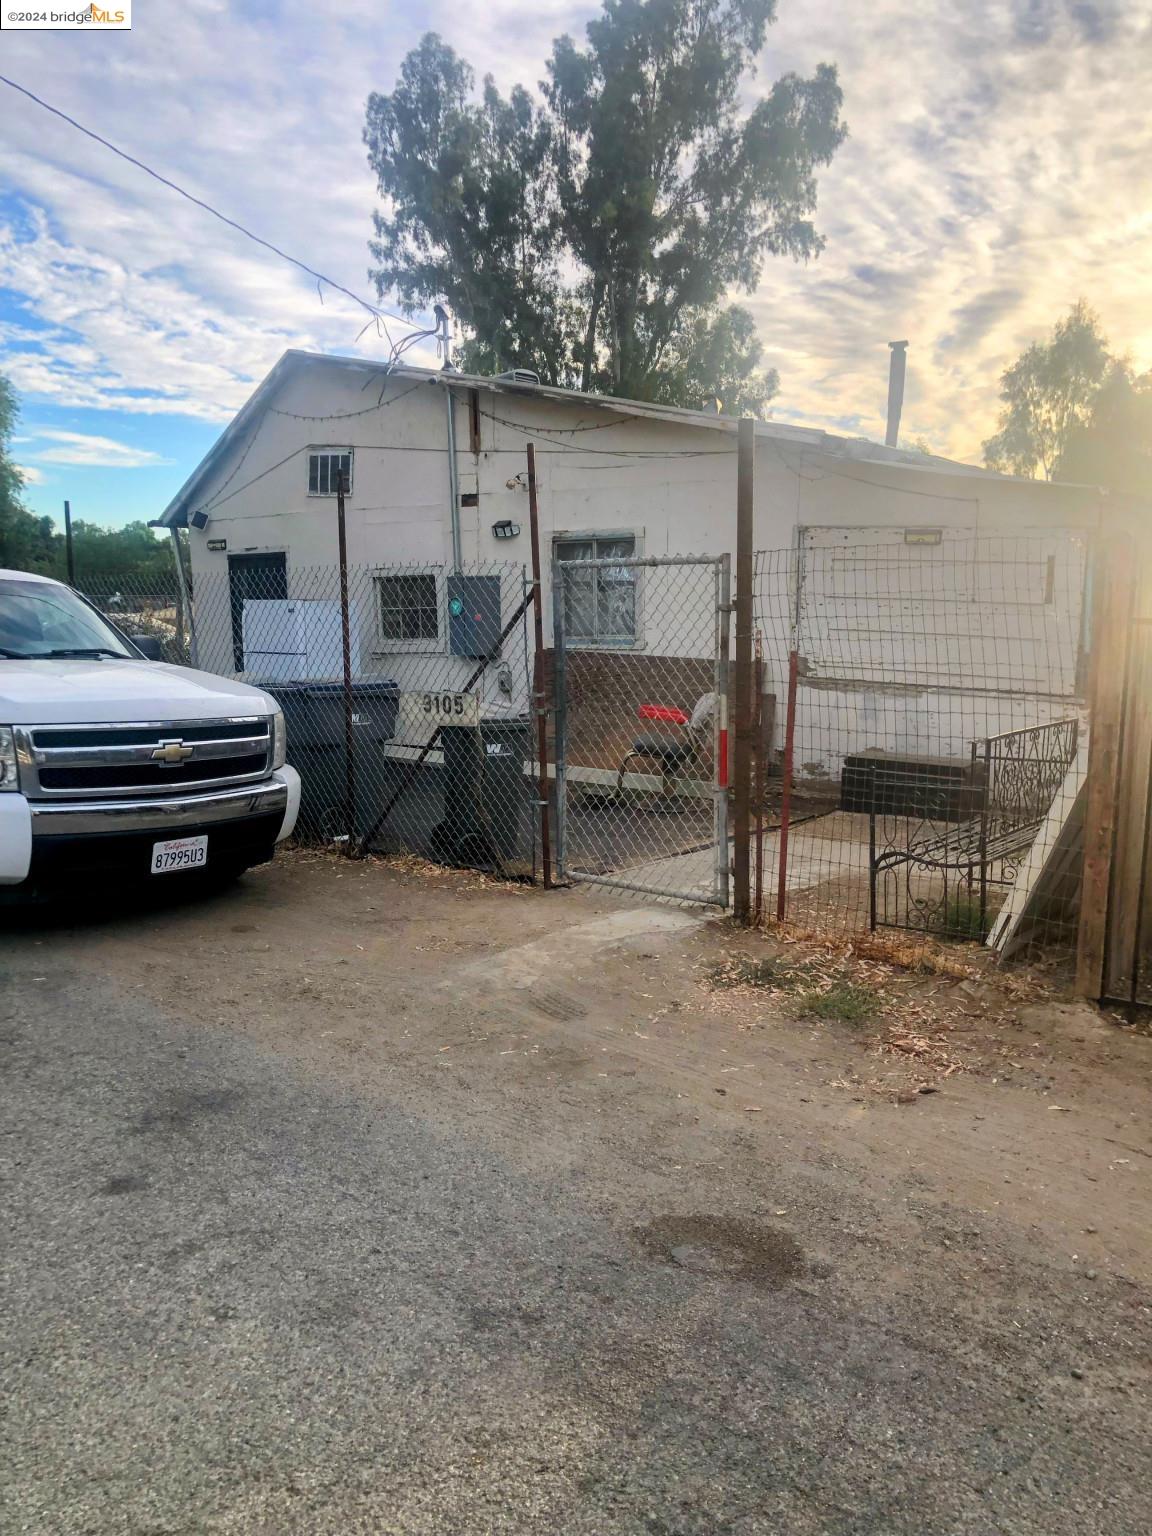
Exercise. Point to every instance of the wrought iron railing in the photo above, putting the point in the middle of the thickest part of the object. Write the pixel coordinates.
(944, 841)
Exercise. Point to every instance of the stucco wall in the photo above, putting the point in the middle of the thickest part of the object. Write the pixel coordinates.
(670, 486)
(677, 495)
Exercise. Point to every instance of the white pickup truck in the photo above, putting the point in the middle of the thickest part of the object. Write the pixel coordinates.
(117, 767)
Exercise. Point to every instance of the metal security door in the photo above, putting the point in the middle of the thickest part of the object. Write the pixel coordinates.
(253, 577)
(641, 691)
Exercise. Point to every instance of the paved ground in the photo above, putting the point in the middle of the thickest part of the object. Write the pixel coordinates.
(826, 853)
(360, 1201)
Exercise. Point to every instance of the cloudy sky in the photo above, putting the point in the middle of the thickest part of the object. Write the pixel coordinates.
(999, 168)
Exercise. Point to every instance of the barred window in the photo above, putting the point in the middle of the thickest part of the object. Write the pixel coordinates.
(325, 468)
(409, 609)
(600, 603)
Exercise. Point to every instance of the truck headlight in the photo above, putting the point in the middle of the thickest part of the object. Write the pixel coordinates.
(9, 777)
(279, 740)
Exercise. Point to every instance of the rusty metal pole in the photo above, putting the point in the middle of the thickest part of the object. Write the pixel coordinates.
(721, 776)
(539, 693)
(786, 786)
(69, 552)
(742, 681)
(758, 787)
(350, 845)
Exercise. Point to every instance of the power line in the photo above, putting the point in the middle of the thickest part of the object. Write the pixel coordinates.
(380, 315)
(621, 453)
(369, 410)
(217, 500)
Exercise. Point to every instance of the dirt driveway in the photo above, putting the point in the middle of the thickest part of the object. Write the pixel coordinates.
(695, 1262)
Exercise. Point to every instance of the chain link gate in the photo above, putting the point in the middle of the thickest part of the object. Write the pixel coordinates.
(641, 692)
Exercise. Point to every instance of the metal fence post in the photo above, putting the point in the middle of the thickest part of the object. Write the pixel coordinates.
(985, 803)
(786, 786)
(69, 548)
(742, 756)
(559, 712)
(351, 847)
(759, 753)
(720, 740)
(540, 697)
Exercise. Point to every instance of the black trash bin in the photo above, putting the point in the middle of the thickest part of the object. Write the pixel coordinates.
(487, 821)
(314, 722)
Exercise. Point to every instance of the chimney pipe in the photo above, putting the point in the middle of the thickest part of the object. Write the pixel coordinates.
(896, 366)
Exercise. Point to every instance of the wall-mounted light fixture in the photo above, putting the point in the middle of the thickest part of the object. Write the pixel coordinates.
(505, 529)
(198, 520)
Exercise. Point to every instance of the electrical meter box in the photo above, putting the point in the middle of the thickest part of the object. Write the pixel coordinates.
(473, 615)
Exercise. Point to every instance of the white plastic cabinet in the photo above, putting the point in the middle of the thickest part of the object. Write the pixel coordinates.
(290, 640)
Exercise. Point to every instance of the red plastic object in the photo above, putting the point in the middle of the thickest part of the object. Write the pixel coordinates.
(663, 712)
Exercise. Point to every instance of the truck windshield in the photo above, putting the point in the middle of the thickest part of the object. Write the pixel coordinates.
(40, 620)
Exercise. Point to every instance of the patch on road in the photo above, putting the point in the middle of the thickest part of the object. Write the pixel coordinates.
(123, 1184)
(562, 952)
(182, 1109)
(731, 1247)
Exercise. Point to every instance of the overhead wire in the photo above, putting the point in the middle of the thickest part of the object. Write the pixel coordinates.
(379, 316)
(622, 418)
(880, 485)
(623, 453)
(218, 501)
(368, 410)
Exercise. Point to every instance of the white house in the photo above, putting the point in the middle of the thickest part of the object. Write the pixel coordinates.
(437, 470)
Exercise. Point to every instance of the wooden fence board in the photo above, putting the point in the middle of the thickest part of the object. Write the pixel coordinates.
(1112, 608)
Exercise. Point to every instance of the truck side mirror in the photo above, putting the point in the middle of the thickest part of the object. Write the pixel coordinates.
(151, 647)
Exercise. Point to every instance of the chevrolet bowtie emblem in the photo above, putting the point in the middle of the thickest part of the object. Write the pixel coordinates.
(171, 753)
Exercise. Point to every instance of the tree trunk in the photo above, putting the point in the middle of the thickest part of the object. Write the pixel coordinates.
(590, 333)
(616, 361)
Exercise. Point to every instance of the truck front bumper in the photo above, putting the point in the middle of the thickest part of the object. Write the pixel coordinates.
(50, 842)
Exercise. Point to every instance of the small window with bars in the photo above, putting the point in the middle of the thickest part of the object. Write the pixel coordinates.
(409, 607)
(325, 467)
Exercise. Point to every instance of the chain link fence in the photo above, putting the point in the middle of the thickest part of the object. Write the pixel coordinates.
(429, 747)
(920, 726)
(640, 684)
(147, 609)
(927, 762)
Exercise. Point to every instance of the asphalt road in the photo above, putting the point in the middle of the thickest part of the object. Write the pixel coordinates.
(241, 1297)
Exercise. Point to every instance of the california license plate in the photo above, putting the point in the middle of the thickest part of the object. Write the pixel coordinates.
(179, 853)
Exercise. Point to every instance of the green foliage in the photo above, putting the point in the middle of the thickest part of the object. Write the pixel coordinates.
(25, 540)
(103, 556)
(960, 917)
(473, 213)
(714, 358)
(1113, 446)
(1047, 394)
(594, 237)
(133, 554)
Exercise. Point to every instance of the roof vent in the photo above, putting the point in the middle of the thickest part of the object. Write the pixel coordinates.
(518, 376)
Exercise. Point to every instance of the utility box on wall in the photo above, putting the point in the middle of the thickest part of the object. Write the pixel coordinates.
(473, 615)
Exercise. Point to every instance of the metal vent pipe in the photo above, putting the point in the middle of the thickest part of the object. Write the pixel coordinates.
(896, 367)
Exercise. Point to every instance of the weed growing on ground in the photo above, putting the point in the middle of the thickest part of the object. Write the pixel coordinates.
(961, 918)
(753, 971)
(844, 1001)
